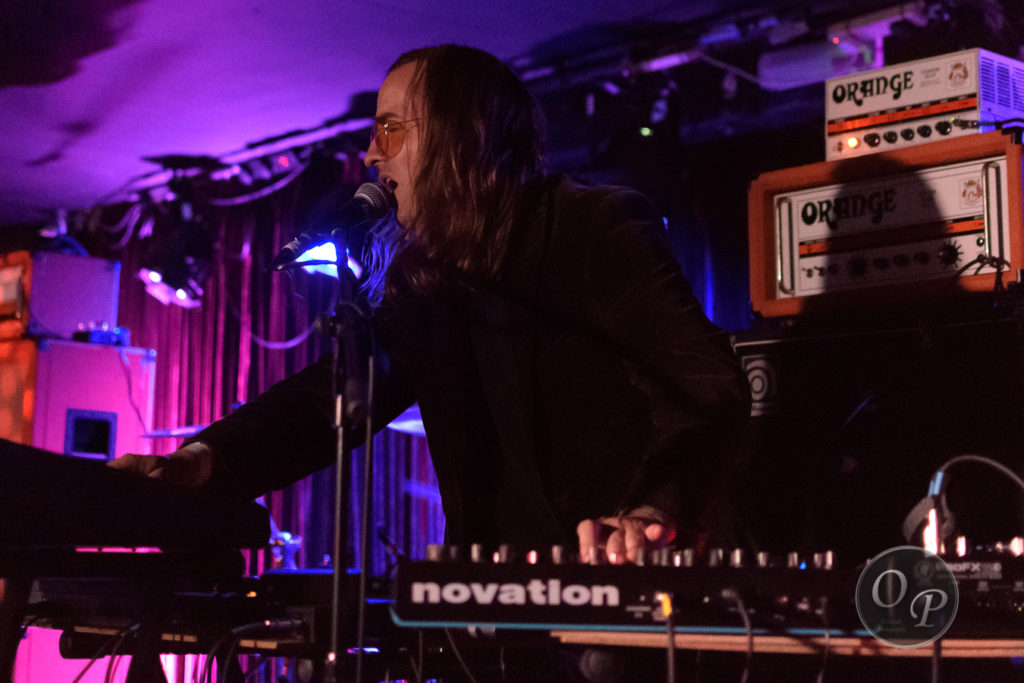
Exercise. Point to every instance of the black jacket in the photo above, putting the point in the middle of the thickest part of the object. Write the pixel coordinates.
(584, 382)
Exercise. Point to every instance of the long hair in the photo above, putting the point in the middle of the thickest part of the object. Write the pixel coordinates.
(480, 155)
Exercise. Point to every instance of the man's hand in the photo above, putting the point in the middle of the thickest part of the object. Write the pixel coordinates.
(621, 537)
(189, 467)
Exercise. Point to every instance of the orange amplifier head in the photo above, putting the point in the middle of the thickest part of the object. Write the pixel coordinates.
(915, 102)
(897, 226)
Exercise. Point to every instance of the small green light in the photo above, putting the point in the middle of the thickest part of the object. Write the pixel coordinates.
(646, 132)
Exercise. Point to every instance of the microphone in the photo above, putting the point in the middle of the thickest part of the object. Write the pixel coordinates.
(370, 202)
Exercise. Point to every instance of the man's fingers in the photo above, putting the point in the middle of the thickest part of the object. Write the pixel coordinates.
(621, 538)
(146, 465)
(634, 531)
(125, 462)
(588, 532)
(615, 548)
(658, 533)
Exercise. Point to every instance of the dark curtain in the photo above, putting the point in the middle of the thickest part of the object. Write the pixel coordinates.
(230, 349)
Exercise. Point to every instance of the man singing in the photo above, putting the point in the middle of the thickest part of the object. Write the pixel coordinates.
(571, 388)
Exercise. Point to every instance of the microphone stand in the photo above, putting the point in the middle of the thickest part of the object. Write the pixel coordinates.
(352, 388)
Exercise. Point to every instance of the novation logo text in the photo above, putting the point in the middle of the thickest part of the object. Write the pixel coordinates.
(536, 592)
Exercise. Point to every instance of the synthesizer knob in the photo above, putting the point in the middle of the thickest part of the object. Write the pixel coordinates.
(683, 558)
(873, 139)
(763, 560)
(823, 560)
(907, 134)
(476, 553)
(880, 263)
(924, 131)
(506, 553)
(921, 257)
(944, 127)
(736, 558)
(793, 560)
(716, 557)
(901, 260)
(890, 136)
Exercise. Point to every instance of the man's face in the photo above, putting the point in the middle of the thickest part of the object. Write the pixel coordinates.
(398, 171)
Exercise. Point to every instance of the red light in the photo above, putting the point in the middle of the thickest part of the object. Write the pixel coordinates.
(283, 161)
(835, 40)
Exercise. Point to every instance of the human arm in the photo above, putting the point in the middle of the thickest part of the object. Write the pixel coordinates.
(279, 437)
(695, 393)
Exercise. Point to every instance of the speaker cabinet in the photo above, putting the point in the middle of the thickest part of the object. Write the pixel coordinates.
(90, 400)
(848, 428)
(51, 295)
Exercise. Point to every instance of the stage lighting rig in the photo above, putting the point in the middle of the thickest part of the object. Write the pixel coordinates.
(179, 260)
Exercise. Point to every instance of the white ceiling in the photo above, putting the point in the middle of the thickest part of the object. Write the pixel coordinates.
(90, 87)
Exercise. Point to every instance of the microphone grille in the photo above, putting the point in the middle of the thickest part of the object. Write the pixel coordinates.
(378, 199)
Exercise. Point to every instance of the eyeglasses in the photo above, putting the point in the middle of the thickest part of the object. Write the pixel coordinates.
(389, 136)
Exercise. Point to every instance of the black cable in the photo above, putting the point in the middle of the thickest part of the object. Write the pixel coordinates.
(939, 483)
(107, 644)
(419, 672)
(458, 656)
(259, 667)
(236, 634)
(981, 460)
(228, 657)
(936, 661)
(970, 123)
(416, 663)
(207, 675)
(114, 656)
(936, 498)
(823, 615)
(981, 261)
(733, 596)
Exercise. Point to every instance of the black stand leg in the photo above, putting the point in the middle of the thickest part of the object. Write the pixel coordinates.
(145, 666)
(15, 592)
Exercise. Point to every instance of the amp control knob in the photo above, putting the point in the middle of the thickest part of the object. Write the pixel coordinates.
(857, 266)
(949, 253)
